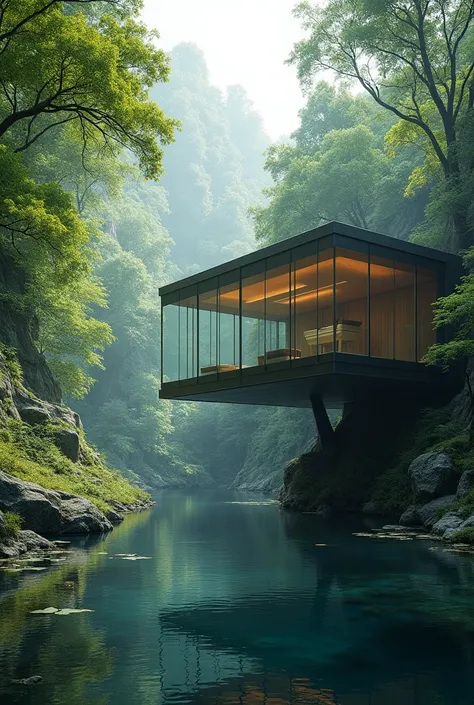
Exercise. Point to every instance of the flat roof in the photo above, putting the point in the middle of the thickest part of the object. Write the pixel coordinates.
(331, 228)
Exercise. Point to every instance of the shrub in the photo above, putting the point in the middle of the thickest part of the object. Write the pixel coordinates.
(463, 536)
(12, 524)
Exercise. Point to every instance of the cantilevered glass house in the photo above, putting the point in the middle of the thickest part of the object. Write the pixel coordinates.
(335, 312)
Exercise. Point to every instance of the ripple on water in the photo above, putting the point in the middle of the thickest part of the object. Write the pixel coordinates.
(239, 602)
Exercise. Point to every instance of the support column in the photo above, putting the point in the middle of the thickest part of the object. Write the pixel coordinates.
(325, 430)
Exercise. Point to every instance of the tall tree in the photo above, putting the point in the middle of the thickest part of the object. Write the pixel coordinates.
(74, 80)
(415, 59)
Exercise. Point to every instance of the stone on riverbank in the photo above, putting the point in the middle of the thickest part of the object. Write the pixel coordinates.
(466, 484)
(50, 512)
(432, 475)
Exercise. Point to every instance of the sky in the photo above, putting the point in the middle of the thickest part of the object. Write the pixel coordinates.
(244, 41)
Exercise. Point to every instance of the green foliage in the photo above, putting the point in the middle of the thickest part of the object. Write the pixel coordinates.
(12, 524)
(10, 360)
(416, 63)
(336, 170)
(457, 311)
(75, 81)
(29, 453)
(392, 493)
(463, 536)
(94, 71)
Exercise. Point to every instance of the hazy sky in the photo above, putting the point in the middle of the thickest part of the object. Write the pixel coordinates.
(244, 41)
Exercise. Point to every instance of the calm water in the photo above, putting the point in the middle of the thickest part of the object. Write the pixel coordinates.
(238, 605)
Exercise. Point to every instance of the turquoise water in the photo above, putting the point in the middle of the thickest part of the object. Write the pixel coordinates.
(236, 604)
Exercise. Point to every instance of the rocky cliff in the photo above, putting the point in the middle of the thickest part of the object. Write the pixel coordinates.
(49, 476)
(392, 457)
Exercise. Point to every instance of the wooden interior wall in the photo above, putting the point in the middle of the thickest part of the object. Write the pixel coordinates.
(392, 323)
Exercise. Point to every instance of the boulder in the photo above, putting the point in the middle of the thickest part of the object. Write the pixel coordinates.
(23, 542)
(429, 513)
(432, 475)
(68, 443)
(466, 484)
(447, 525)
(410, 517)
(50, 512)
(34, 415)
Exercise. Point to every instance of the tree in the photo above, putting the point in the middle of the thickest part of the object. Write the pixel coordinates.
(59, 66)
(74, 80)
(337, 169)
(415, 59)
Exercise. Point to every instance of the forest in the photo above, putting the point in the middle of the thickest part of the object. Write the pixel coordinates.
(124, 168)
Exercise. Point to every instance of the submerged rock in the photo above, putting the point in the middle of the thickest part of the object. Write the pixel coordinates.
(32, 680)
(432, 475)
(50, 512)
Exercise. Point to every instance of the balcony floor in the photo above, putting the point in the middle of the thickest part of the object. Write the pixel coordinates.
(337, 378)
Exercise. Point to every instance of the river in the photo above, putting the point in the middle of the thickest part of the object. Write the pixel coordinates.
(234, 601)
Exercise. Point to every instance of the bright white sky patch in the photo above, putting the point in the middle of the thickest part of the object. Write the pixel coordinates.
(244, 42)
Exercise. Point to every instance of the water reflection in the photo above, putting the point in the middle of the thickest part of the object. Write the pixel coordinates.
(238, 605)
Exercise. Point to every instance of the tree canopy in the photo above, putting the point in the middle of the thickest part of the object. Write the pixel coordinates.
(414, 58)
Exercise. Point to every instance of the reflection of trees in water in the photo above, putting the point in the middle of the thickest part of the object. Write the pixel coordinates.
(68, 652)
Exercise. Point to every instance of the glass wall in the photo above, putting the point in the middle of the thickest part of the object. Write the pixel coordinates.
(404, 311)
(301, 304)
(170, 340)
(188, 333)
(207, 323)
(352, 291)
(228, 325)
(277, 312)
(253, 314)
(304, 311)
(382, 306)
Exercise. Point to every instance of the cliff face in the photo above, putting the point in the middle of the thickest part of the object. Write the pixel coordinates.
(375, 445)
(18, 330)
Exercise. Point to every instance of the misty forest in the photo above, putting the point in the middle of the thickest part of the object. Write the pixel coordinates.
(250, 562)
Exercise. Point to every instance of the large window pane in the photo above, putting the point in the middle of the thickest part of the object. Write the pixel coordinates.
(170, 362)
(427, 293)
(304, 306)
(382, 307)
(325, 301)
(207, 312)
(253, 318)
(352, 280)
(277, 314)
(404, 311)
(188, 334)
(228, 333)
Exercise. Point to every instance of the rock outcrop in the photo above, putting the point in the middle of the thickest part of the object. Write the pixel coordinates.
(427, 514)
(369, 436)
(23, 541)
(432, 475)
(19, 330)
(466, 484)
(49, 512)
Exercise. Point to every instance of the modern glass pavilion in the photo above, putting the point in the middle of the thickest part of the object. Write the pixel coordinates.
(335, 312)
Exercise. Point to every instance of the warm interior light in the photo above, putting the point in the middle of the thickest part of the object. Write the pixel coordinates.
(312, 293)
(271, 294)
